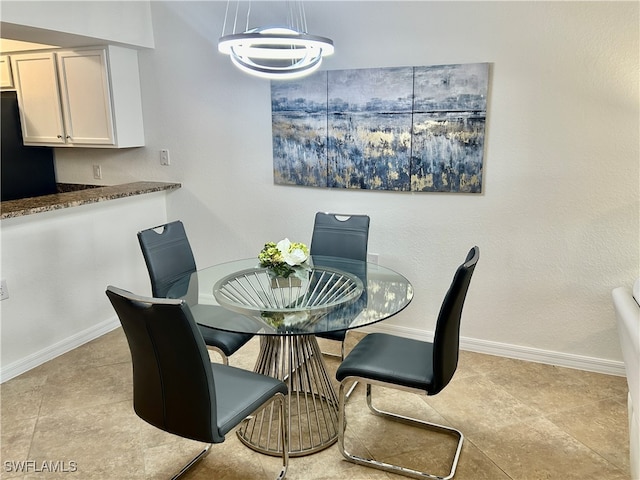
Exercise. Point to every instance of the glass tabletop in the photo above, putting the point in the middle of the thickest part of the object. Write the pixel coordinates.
(384, 293)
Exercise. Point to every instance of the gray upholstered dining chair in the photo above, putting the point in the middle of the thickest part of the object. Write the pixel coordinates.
(175, 386)
(339, 235)
(169, 259)
(411, 365)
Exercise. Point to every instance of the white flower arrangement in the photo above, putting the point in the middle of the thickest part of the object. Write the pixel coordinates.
(284, 257)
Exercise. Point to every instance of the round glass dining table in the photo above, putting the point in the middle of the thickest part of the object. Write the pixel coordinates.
(333, 294)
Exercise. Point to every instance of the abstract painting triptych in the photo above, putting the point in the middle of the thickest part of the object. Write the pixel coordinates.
(418, 129)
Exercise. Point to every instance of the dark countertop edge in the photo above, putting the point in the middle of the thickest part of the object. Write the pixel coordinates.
(57, 201)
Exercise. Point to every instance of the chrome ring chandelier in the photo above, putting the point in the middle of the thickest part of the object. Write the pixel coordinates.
(275, 52)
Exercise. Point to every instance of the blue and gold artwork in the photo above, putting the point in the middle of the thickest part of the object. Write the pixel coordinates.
(402, 129)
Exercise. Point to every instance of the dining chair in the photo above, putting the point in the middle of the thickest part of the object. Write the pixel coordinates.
(338, 235)
(412, 365)
(169, 259)
(176, 387)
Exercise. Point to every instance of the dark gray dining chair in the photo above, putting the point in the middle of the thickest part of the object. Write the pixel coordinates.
(339, 235)
(412, 365)
(169, 259)
(177, 389)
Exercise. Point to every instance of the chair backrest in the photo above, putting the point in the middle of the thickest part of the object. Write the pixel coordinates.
(173, 387)
(338, 235)
(168, 256)
(446, 342)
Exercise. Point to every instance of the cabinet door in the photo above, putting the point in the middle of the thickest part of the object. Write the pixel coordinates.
(6, 79)
(86, 97)
(37, 86)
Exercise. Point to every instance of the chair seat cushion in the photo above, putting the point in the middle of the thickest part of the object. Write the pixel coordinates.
(390, 359)
(339, 336)
(227, 342)
(241, 392)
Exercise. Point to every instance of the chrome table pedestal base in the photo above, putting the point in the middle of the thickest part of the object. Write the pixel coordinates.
(312, 403)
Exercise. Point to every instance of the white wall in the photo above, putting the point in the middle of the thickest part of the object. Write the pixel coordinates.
(558, 220)
(58, 264)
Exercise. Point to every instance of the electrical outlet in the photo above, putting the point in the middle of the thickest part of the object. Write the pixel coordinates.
(4, 291)
(372, 258)
(97, 172)
(164, 157)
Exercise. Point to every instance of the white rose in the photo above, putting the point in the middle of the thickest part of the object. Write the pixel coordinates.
(292, 256)
(284, 246)
(295, 257)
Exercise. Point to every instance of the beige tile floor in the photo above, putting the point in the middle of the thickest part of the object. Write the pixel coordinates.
(521, 421)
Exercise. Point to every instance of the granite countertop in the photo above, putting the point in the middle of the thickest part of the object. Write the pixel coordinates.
(81, 195)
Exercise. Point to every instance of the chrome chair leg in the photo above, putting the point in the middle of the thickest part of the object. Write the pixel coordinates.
(335, 355)
(353, 387)
(193, 461)
(341, 357)
(398, 418)
(225, 359)
(284, 437)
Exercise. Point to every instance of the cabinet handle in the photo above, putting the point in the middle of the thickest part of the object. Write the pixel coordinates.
(59, 136)
(68, 137)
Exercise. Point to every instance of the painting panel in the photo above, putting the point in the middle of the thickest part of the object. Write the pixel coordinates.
(449, 119)
(369, 128)
(447, 152)
(451, 88)
(299, 131)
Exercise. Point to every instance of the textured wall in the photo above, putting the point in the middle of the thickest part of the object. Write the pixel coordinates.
(558, 219)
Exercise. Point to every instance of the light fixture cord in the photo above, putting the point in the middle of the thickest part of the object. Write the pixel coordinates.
(303, 17)
(224, 24)
(235, 18)
(296, 16)
(248, 13)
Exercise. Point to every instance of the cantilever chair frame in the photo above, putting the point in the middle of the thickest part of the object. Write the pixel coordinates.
(469, 266)
(278, 399)
(398, 418)
(279, 402)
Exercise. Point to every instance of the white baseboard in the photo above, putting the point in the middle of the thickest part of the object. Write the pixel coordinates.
(580, 362)
(23, 365)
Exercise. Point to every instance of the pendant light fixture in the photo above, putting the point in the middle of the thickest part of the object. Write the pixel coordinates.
(275, 52)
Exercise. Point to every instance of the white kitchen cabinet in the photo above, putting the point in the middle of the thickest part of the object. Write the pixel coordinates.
(38, 98)
(88, 97)
(6, 79)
